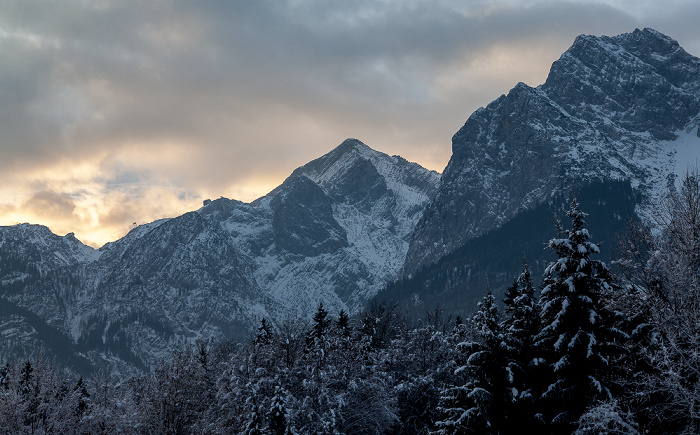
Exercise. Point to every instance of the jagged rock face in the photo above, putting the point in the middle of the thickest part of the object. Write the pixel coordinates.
(335, 231)
(30, 253)
(38, 271)
(363, 186)
(302, 219)
(37, 246)
(181, 280)
(612, 107)
(643, 81)
(180, 266)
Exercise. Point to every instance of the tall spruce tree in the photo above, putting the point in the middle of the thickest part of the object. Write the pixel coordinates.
(479, 406)
(343, 323)
(319, 327)
(520, 327)
(265, 334)
(578, 340)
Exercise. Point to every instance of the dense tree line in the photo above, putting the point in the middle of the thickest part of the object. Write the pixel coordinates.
(587, 353)
(374, 374)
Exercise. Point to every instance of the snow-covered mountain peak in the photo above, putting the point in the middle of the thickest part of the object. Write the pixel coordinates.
(341, 221)
(646, 42)
(611, 108)
(623, 73)
(351, 145)
(356, 172)
(335, 164)
(640, 43)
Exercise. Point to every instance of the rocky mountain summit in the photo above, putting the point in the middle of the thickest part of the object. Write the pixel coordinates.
(623, 107)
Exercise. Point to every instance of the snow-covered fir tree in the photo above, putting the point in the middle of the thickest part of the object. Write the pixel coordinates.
(479, 405)
(521, 325)
(578, 339)
(265, 334)
(343, 323)
(319, 328)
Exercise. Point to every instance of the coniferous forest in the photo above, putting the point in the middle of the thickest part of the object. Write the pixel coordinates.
(595, 349)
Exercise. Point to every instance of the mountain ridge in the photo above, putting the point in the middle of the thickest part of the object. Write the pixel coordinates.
(330, 234)
(619, 114)
(532, 143)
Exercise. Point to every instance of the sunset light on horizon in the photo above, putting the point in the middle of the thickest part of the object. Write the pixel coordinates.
(116, 114)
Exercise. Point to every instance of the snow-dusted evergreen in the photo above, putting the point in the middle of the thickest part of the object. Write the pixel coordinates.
(579, 340)
(525, 368)
(479, 406)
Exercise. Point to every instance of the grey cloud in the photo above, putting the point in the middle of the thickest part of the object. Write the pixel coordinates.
(681, 23)
(209, 74)
(50, 204)
(121, 210)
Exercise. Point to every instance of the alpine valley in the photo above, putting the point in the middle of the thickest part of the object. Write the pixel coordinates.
(615, 123)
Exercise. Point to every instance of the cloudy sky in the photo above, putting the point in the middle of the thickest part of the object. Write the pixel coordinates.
(123, 112)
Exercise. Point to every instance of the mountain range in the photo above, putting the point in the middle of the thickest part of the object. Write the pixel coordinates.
(336, 231)
(615, 123)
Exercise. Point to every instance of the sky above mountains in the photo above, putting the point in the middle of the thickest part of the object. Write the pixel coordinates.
(115, 113)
